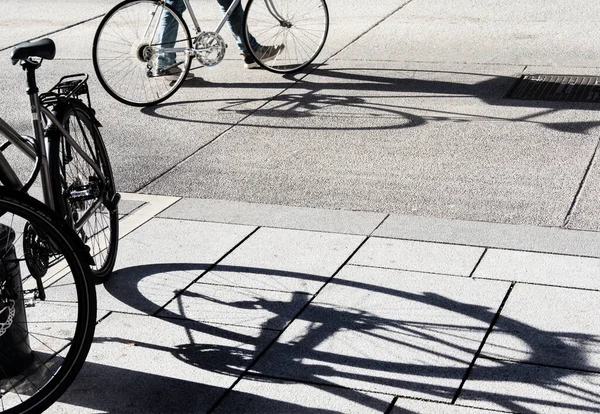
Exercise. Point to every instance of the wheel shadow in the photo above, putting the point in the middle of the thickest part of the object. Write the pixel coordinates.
(308, 363)
(323, 92)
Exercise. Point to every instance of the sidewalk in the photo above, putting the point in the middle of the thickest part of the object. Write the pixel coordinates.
(479, 292)
(236, 307)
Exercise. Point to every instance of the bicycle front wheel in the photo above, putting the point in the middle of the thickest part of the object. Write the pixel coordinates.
(86, 199)
(141, 52)
(47, 305)
(285, 36)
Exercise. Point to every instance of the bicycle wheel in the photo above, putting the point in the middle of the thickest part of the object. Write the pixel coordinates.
(129, 52)
(85, 199)
(46, 324)
(285, 36)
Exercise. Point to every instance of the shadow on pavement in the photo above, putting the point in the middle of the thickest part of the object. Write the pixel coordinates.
(311, 96)
(304, 359)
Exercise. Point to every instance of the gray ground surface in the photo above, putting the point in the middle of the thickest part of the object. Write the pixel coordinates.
(385, 232)
(405, 114)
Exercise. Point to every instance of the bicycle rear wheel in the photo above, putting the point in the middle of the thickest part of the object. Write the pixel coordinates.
(46, 326)
(285, 36)
(86, 201)
(129, 53)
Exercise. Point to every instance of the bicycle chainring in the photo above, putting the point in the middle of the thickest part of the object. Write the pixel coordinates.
(37, 253)
(209, 48)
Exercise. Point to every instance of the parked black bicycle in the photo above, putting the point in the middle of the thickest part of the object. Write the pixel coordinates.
(52, 252)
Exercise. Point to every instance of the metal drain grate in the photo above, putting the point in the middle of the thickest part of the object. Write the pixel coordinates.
(567, 88)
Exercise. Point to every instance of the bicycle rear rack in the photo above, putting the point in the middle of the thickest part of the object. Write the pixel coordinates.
(70, 86)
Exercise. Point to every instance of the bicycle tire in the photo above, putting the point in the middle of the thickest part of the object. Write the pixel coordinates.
(55, 334)
(297, 28)
(70, 174)
(124, 65)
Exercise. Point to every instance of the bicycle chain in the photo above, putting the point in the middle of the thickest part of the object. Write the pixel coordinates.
(9, 320)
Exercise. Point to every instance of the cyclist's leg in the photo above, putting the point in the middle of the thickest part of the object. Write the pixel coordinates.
(236, 25)
(167, 32)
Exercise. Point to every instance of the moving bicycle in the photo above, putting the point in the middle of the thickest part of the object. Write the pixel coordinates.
(143, 49)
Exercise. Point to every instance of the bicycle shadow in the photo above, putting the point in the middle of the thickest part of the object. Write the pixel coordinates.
(322, 91)
(308, 363)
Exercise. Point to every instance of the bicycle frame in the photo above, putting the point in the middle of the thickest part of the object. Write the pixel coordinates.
(197, 28)
(36, 150)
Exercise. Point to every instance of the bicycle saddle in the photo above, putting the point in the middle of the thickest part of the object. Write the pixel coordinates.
(43, 48)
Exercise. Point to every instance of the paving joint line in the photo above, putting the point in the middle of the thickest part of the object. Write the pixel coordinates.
(534, 364)
(539, 284)
(258, 289)
(481, 246)
(410, 270)
(569, 215)
(276, 338)
(212, 323)
(483, 341)
(357, 38)
(379, 225)
(55, 31)
(478, 262)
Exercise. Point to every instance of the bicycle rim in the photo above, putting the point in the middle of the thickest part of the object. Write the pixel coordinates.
(83, 195)
(297, 27)
(45, 343)
(126, 52)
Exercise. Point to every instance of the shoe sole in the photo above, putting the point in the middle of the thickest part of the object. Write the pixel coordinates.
(256, 65)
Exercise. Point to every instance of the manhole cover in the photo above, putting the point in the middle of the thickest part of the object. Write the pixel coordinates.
(566, 88)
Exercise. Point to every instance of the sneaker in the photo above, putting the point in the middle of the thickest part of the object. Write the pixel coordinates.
(264, 53)
(172, 73)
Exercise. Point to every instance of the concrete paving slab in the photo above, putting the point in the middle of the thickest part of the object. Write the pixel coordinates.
(548, 326)
(163, 257)
(485, 234)
(269, 215)
(151, 365)
(418, 256)
(397, 163)
(22, 20)
(284, 260)
(261, 395)
(236, 306)
(511, 387)
(540, 268)
(484, 31)
(403, 333)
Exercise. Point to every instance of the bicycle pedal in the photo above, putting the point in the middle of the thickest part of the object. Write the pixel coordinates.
(111, 204)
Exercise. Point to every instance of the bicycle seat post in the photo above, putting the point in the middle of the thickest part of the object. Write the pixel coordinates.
(29, 66)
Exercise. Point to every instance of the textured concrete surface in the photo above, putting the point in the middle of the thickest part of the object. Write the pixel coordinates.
(384, 232)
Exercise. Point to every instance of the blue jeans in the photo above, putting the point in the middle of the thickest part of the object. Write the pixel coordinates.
(168, 27)
(167, 32)
(236, 25)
